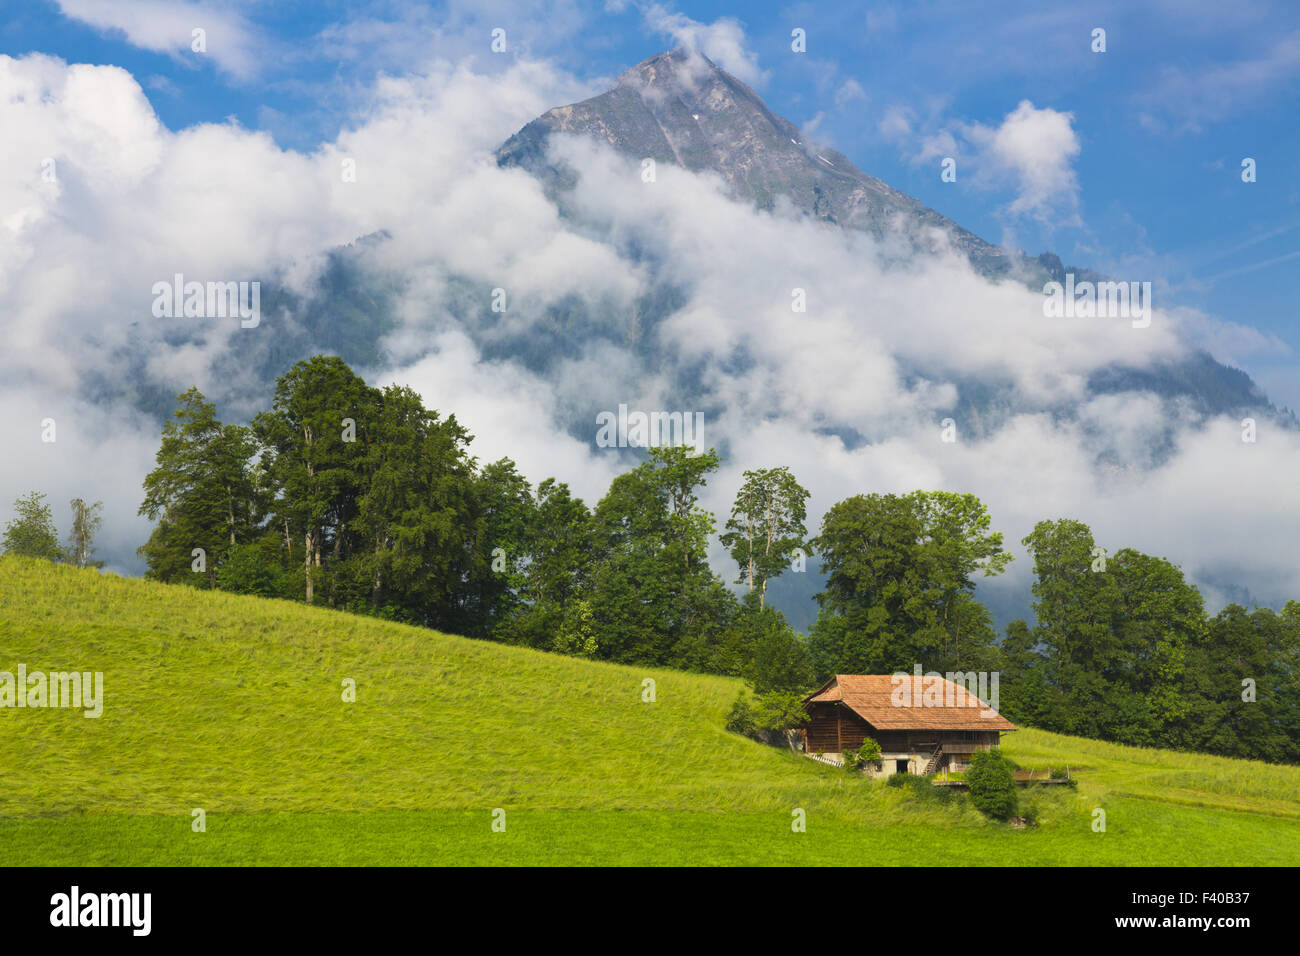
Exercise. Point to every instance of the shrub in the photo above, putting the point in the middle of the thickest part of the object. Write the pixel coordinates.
(741, 719)
(869, 752)
(781, 712)
(922, 789)
(245, 570)
(577, 634)
(992, 788)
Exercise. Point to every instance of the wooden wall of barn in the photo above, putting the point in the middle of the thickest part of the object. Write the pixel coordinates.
(822, 731)
(832, 729)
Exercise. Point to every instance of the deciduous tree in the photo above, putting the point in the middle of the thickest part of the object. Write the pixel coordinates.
(31, 532)
(766, 526)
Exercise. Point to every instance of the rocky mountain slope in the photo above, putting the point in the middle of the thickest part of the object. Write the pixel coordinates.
(681, 108)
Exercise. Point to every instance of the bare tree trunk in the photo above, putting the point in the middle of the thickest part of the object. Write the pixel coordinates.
(750, 529)
(762, 594)
(230, 513)
(308, 546)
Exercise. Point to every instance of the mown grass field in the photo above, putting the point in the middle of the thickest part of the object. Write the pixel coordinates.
(234, 706)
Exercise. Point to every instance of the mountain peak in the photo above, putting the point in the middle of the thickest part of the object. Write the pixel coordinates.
(668, 67)
(679, 107)
(676, 57)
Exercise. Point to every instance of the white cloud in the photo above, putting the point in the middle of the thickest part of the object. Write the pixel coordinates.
(722, 41)
(1031, 152)
(879, 356)
(849, 91)
(1037, 147)
(167, 26)
(896, 125)
(1229, 342)
(510, 412)
(1190, 98)
(397, 38)
(98, 454)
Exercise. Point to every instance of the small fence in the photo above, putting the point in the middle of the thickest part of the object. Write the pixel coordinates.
(1022, 778)
(833, 760)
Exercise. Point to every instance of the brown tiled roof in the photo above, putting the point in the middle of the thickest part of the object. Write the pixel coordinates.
(871, 697)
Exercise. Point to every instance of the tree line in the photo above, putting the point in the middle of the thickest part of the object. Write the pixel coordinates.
(361, 499)
(32, 533)
(1123, 649)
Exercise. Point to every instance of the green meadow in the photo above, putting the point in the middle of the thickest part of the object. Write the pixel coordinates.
(235, 706)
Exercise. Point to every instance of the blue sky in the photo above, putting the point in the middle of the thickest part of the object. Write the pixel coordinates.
(1126, 161)
(1162, 120)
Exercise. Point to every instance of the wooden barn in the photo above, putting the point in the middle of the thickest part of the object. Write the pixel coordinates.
(919, 731)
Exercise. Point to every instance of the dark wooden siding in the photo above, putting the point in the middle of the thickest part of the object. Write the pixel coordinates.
(893, 741)
(833, 728)
(853, 730)
(822, 732)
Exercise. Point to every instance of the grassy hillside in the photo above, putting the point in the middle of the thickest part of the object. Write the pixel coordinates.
(234, 705)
